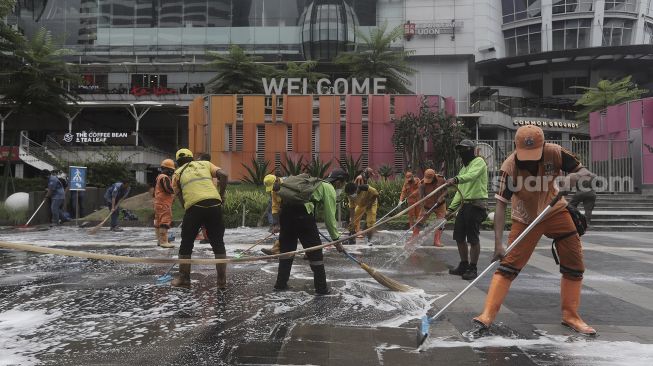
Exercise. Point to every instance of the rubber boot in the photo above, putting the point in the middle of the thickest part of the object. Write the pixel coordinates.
(182, 279)
(436, 238)
(276, 249)
(163, 238)
(283, 274)
(221, 269)
(496, 294)
(158, 235)
(569, 301)
(460, 270)
(319, 280)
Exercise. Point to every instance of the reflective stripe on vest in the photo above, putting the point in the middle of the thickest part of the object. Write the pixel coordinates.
(197, 183)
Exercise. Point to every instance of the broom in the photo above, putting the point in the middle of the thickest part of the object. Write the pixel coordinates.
(378, 276)
(254, 245)
(34, 214)
(97, 227)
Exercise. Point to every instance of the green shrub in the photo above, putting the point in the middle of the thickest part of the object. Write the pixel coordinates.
(255, 201)
(12, 217)
(24, 185)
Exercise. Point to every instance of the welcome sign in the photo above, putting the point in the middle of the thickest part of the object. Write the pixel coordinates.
(299, 86)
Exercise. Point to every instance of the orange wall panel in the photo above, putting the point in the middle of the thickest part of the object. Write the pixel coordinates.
(329, 127)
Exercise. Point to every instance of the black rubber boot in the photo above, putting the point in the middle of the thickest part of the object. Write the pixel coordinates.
(283, 274)
(470, 273)
(460, 270)
(319, 280)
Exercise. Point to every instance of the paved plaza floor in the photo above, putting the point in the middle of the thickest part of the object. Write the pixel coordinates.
(58, 310)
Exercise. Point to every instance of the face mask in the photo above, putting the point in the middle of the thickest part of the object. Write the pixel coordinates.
(353, 196)
(466, 155)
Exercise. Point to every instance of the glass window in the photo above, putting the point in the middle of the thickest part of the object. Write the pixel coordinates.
(240, 10)
(565, 86)
(617, 32)
(146, 13)
(572, 6)
(171, 13)
(365, 10)
(123, 14)
(513, 10)
(219, 13)
(571, 34)
(195, 13)
(648, 34)
(523, 40)
(620, 5)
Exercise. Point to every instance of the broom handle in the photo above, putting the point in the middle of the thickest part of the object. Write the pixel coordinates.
(391, 211)
(516, 242)
(35, 212)
(346, 253)
(258, 242)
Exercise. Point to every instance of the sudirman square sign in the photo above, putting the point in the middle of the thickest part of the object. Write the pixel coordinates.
(431, 29)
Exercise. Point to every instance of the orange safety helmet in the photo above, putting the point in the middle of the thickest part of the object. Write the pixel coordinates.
(168, 163)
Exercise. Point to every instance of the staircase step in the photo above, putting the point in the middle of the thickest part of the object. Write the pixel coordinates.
(619, 228)
(622, 222)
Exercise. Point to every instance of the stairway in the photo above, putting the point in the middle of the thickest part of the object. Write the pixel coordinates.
(35, 154)
(623, 212)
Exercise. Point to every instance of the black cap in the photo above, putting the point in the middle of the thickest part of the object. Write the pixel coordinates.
(337, 174)
(466, 144)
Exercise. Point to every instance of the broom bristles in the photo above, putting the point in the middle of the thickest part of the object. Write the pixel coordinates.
(385, 280)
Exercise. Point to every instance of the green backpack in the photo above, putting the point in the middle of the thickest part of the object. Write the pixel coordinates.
(298, 189)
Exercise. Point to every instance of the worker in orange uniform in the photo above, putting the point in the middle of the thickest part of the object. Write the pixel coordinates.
(410, 193)
(163, 198)
(430, 183)
(535, 160)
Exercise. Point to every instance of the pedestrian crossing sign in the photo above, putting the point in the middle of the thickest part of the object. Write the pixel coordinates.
(77, 178)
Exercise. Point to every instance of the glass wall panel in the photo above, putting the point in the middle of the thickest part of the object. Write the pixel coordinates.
(122, 13)
(523, 40)
(219, 13)
(170, 14)
(146, 16)
(571, 34)
(572, 6)
(617, 32)
(620, 5)
(514, 10)
(195, 13)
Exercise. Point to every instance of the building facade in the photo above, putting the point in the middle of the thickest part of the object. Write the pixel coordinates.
(505, 63)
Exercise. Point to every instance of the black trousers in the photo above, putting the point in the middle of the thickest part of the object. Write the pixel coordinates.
(207, 213)
(297, 224)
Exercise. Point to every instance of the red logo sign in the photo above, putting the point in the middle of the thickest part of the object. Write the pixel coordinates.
(409, 30)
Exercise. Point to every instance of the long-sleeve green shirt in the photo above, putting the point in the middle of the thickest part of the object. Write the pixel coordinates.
(326, 194)
(472, 182)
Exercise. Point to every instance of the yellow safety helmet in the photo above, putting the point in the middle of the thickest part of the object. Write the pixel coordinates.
(168, 163)
(183, 153)
(268, 181)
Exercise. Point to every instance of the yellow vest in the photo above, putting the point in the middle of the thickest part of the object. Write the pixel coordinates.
(196, 183)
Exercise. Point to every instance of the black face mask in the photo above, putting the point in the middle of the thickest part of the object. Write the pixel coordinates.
(467, 155)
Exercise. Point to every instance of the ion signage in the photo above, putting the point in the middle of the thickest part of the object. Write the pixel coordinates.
(99, 138)
(77, 176)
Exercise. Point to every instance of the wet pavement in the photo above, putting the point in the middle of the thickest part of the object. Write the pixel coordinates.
(61, 310)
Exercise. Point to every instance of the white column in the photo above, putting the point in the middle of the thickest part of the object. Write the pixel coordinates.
(597, 23)
(547, 20)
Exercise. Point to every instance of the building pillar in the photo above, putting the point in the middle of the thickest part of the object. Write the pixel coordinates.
(597, 24)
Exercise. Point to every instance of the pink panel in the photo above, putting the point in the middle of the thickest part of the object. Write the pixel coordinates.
(599, 150)
(648, 112)
(595, 125)
(647, 158)
(381, 150)
(620, 145)
(354, 120)
(635, 109)
(405, 104)
(450, 106)
(616, 118)
(433, 102)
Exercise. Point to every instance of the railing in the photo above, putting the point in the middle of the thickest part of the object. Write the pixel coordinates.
(521, 111)
(139, 90)
(29, 148)
(611, 160)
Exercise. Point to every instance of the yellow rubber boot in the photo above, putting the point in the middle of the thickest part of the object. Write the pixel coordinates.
(496, 294)
(163, 238)
(183, 277)
(569, 302)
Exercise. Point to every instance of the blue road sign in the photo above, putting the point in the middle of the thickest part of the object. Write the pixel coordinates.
(77, 178)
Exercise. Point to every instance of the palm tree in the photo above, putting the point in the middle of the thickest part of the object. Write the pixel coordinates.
(238, 73)
(38, 76)
(607, 93)
(376, 58)
(302, 70)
